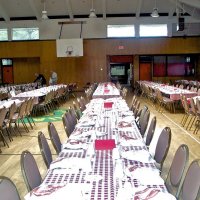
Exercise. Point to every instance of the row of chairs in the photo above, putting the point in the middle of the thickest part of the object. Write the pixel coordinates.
(14, 115)
(156, 97)
(90, 90)
(189, 87)
(52, 100)
(181, 187)
(191, 113)
(29, 167)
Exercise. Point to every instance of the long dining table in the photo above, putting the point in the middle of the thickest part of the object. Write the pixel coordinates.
(105, 158)
(170, 91)
(105, 91)
(37, 93)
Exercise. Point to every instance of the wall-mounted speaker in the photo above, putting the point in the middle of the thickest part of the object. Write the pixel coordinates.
(181, 25)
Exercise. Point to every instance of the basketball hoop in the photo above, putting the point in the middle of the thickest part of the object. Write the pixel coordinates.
(69, 50)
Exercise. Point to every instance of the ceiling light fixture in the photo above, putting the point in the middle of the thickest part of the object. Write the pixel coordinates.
(92, 11)
(155, 11)
(44, 12)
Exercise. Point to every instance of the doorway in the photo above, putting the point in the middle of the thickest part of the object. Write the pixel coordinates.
(145, 71)
(7, 71)
(120, 69)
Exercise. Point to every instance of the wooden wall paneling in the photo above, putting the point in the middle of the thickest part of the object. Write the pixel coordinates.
(87, 68)
(20, 49)
(25, 69)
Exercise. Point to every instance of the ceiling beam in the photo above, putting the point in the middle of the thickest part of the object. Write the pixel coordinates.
(186, 8)
(4, 14)
(193, 3)
(69, 9)
(33, 7)
(171, 12)
(104, 9)
(138, 9)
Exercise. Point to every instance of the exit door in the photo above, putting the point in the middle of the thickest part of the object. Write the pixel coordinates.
(145, 71)
(8, 74)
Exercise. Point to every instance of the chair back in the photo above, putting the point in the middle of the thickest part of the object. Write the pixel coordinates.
(8, 190)
(186, 106)
(177, 169)
(72, 116)
(30, 171)
(3, 113)
(12, 110)
(44, 149)
(193, 106)
(191, 185)
(151, 131)
(142, 114)
(132, 102)
(81, 104)
(136, 109)
(198, 104)
(162, 146)
(77, 110)
(53, 134)
(144, 122)
(22, 109)
(67, 125)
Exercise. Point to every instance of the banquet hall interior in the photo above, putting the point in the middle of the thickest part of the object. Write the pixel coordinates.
(139, 61)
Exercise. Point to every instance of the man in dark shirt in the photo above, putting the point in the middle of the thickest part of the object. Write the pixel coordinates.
(40, 79)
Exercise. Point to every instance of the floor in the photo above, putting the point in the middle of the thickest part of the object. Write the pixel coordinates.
(10, 157)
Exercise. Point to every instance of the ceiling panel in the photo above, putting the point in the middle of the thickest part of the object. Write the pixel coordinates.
(23, 8)
(121, 6)
(17, 8)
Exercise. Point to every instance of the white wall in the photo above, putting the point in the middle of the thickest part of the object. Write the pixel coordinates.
(96, 28)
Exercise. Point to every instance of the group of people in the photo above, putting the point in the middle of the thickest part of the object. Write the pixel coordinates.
(42, 80)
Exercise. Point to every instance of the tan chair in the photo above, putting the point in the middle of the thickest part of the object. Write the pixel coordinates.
(198, 117)
(174, 178)
(190, 189)
(188, 113)
(193, 111)
(8, 190)
(30, 171)
(3, 127)
(164, 101)
(11, 114)
(28, 111)
(46, 105)
(22, 114)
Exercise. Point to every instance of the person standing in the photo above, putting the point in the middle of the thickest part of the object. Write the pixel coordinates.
(53, 79)
(40, 79)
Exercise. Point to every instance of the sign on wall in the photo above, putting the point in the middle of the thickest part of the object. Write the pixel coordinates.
(69, 47)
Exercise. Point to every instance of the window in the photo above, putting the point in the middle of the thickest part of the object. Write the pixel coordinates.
(159, 66)
(120, 31)
(25, 33)
(181, 65)
(153, 30)
(3, 34)
(6, 62)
